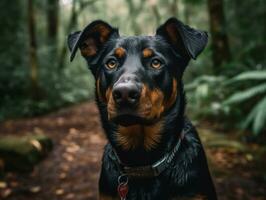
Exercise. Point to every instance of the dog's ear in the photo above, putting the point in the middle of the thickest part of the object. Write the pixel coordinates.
(187, 41)
(91, 39)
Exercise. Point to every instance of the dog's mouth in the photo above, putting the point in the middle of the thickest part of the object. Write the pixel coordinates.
(128, 119)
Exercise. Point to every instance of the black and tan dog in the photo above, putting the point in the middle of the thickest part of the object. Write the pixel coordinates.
(153, 152)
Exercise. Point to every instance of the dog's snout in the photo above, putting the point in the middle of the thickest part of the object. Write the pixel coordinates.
(126, 90)
(126, 93)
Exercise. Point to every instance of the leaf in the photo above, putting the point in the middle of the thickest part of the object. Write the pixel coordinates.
(246, 94)
(3, 185)
(250, 75)
(7, 192)
(249, 118)
(260, 118)
(204, 79)
(59, 191)
(257, 117)
(35, 189)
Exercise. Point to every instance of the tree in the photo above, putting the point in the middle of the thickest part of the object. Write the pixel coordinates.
(173, 7)
(72, 24)
(12, 60)
(134, 11)
(52, 25)
(52, 19)
(219, 45)
(33, 51)
(154, 6)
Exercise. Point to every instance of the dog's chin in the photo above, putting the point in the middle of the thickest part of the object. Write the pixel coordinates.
(130, 120)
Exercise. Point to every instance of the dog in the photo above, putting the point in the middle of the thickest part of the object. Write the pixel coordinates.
(153, 150)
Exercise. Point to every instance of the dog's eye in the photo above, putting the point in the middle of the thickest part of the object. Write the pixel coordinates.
(156, 63)
(111, 63)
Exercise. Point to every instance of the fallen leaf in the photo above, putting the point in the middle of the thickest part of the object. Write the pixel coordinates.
(7, 193)
(36, 144)
(70, 196)
(59, 192)
(62, 175)
(35, 189)
(3, 185)
(13, 183)
(249, 157)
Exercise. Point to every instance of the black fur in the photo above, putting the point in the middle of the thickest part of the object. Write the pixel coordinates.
(174, 44)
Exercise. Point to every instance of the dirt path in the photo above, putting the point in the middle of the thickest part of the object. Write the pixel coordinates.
(71, 170)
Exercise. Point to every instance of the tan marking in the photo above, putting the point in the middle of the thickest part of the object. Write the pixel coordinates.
(110, 103)
(172, 98)
(157, 98)
(134, 136)
(147, 53)
(108, 94)
(129, 137)
(151, 103)
(103, 30)
(98, 89)
(171, 30)
(120, 52)
(90, 48)
(152, 135)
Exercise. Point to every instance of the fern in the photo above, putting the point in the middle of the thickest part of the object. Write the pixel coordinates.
(247, 94)
(251, 75)
(204, 79)
(258, 116)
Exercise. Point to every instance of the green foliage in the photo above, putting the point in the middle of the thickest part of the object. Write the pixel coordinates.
(256, 95)
(205, 95)
(241, 96)
(246, 28)
(12, 55)
(58, 86)
(222, 99)
(251, 75)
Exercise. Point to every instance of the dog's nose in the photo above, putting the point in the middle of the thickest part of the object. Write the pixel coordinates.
(126, 91)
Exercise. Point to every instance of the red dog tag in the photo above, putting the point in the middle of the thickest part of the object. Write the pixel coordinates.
(122, 190)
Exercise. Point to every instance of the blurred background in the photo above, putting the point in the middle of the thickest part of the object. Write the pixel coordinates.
(47, 112)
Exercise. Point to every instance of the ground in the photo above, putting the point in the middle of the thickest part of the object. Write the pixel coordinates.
(72, 169)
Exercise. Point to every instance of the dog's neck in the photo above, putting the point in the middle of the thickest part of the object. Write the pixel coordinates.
(168, 130)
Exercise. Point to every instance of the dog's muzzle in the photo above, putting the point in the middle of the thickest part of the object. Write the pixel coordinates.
(127, 91)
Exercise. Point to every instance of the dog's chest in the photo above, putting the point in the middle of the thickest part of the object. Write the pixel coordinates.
(172, 182)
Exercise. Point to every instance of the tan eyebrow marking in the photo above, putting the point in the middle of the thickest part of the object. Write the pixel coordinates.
(120, 52)
(147, 52)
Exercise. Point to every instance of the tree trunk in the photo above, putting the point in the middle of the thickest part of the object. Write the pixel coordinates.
(174, 8)
(187, 13)
(220, 45)
(134, 11)
(33, 51)
(155, 10)
(52, 29)
(72, 23)
(52, 20)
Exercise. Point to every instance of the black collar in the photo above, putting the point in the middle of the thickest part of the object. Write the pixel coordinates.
(148, 170)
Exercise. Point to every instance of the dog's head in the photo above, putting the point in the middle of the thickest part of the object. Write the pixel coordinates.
(137, 77)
